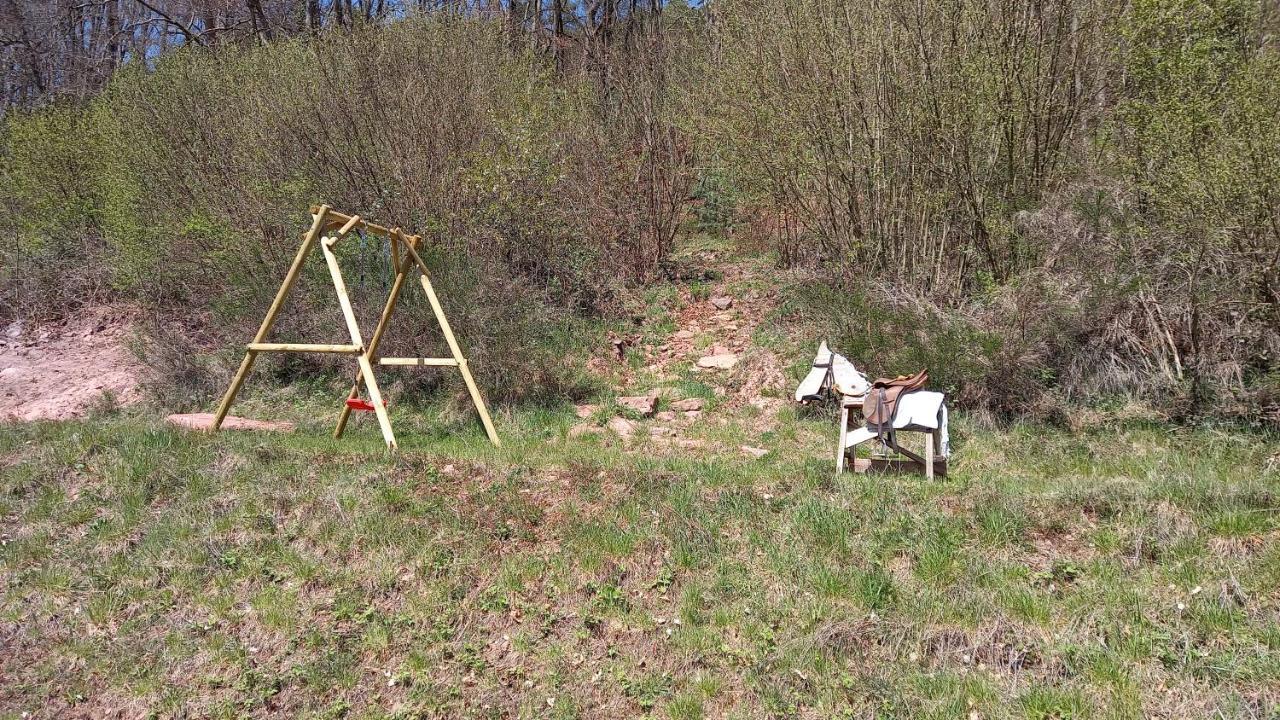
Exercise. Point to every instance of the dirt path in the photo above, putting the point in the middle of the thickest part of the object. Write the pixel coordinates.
(60, 371)
(712, 338)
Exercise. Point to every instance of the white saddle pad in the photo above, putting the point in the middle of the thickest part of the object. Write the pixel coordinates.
(922, 409)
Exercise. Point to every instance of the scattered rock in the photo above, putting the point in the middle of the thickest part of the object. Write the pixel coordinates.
(643, 404)
(691, 443)
(585, 411)
(666, 416)
(692, 415)
(204, 421)
(754, 452)
(620, 345)
(623, 427)
(14, 331)
(721, 302)
(661, 432)
(720, 361)
(687, 404)
(684, 334)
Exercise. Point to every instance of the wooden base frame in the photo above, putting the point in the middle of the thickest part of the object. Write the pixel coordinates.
(405, 260)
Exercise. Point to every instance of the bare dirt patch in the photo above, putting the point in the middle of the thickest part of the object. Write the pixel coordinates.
(61, 371)
(204, 421)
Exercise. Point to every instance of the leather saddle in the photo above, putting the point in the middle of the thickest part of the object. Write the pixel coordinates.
(881, 403)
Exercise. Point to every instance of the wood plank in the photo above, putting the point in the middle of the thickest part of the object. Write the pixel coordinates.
(304, 347)
(375, 397)
(419, 362)
(928, 456)
(844, 434)
(337, 220)
(388, 308)
(346, 228)
(344, 301)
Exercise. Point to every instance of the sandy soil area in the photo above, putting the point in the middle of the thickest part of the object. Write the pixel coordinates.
(59, 371)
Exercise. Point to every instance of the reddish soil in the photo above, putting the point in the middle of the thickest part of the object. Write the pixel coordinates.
(204, 421)
(64, 370)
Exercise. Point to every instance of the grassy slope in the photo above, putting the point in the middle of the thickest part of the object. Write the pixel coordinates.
(1124, 572)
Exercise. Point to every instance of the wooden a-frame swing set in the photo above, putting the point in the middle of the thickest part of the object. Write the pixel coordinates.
(404, 259)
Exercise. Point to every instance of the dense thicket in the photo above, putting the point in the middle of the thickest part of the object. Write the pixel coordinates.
(1040, 200)
(1046, 202)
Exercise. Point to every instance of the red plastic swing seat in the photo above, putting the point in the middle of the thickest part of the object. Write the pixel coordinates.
(362, 404)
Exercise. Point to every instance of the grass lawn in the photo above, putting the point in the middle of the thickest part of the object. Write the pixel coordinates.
(1129, 571)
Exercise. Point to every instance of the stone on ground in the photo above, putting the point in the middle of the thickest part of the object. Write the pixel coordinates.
(666, 416)
(585, 411)
(687, 404)
(643, 404)
(722, 302)
(622, 427)
(204, 421)
(721, 361)
(754, 452)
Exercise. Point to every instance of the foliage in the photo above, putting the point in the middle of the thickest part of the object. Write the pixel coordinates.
(963, 156)
(1078, 199)
(195, 176)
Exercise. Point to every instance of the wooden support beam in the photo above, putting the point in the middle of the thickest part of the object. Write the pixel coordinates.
(474, 391)
(393, 297)
(928, 456)
(338, 220)
(305, 347)
(344, 301)
(420, 362)
(844, 435)
(346, 228)
(366, 369)
(237, 381)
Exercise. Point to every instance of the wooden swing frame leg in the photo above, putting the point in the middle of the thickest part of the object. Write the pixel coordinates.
(366, 368)
(267, 322)
(392, 298)
(454, 349)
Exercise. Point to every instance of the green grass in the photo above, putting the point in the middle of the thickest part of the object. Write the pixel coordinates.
(1125, 572)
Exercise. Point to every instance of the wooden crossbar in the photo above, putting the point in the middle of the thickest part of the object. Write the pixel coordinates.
(304, 347)
(421, 362)
(325, 220)
(336, 219)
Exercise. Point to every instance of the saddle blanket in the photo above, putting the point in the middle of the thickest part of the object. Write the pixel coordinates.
(919, 410)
